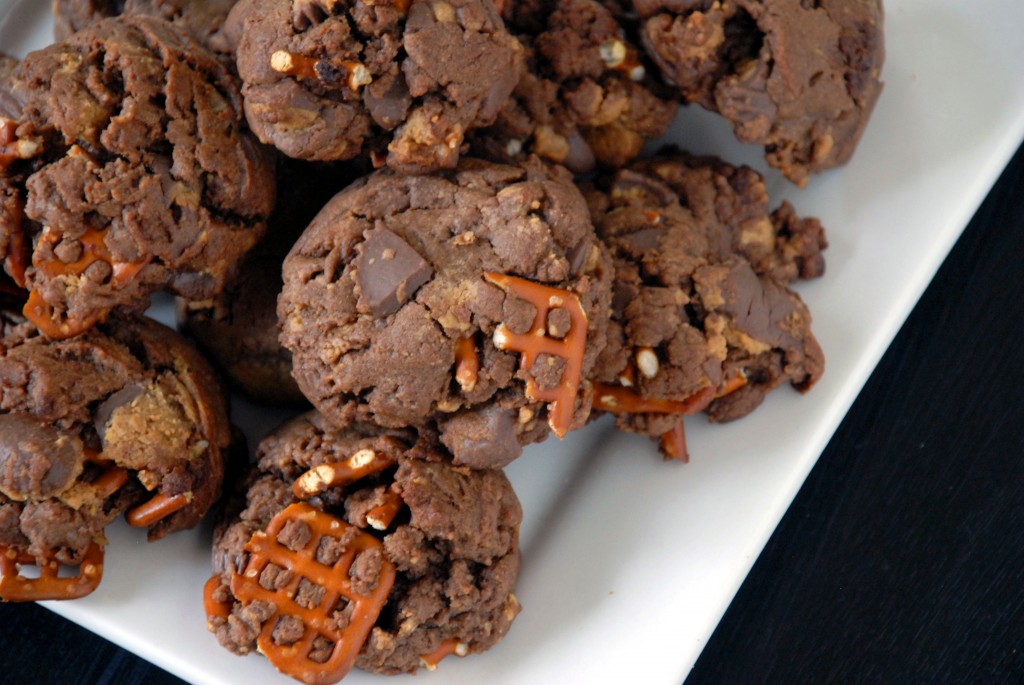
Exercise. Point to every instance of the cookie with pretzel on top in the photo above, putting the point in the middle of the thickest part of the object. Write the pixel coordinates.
(126, 418)
(476, 299)
(363, 547)
(702, 318)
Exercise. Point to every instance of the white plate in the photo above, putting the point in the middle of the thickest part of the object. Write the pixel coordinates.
(630, 562)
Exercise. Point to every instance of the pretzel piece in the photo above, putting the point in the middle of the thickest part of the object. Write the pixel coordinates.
(672, 443)
(431, 659)
(318, 479)
(531, 345)
(329, 71)
(381, 516)
(159, 507)
(617, 399)
(16, 588)
(12, 148)
(213, 607)
(317, 623)
(467, 364)
(94, 249)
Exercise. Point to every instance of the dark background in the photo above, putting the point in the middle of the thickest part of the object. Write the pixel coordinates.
(901, 560)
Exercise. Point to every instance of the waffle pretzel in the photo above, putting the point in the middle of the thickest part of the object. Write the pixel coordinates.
(16, 588)
(317, 622)
(536, 341)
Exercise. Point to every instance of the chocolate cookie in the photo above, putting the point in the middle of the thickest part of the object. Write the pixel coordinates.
(203, 20)
(133, 173)
(402, 79)
(800, 78)
(412, 298)
(126, 418)
(237, 329)
(694, 327)
(587, 97)
(395, 557)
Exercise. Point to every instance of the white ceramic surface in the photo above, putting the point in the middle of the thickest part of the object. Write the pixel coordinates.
(630, 562)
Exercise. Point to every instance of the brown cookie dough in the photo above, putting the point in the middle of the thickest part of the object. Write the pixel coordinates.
(444, 538)
(587, 98)
(392, 318)
(694, 327)
(237, 329)
(800, 78)
(400, 79)
(734, 200)
(133, 173)
(126, 418)
(203, 20)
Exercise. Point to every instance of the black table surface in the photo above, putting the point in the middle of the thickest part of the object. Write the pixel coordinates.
(901, 560)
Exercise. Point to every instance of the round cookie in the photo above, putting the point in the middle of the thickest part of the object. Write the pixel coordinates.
(694, 327)
(411, 298)
(586, 98)
(126, 418)
(403, 80)
(799, 78)
(134, 173)
(237, 329)
(432, 551)
(203, 20)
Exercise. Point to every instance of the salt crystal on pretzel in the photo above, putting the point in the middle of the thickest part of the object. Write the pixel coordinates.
(48, 586)
(536, 341)
(318, 621)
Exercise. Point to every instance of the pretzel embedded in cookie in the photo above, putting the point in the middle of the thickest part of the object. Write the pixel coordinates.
(619, 399)
(320, 633)
(91, 248)
(537, 341)
(157, 508)
(16, 588)
(362, 463)
(353, 75)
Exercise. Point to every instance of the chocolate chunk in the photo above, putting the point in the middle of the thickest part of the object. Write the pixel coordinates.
(484, 439)
(388, 272)
(387, 99)
(105, 411)
(36, 459)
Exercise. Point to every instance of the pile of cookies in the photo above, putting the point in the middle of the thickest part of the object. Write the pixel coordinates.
(429, 227)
